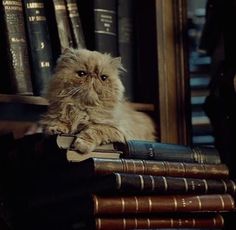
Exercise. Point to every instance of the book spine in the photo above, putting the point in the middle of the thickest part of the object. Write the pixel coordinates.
(74, 19)
(132, 183)
(63, 25)
(126, 44)
(16, 47)
(216, 221)
(40, 46)
(169, 152)
(159, 168)
(162, 204)
(105, 26)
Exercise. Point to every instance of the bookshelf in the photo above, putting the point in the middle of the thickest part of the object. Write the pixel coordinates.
(166, 98)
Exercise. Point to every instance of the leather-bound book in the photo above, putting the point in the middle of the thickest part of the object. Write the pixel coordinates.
(59, 26)
(103, 205)
(141, 149)
(75, 23)
(150, 150)
(40, 45)
(180, 221)
(102, 166)
(101, 31)
(14, 48)
(127, 45)
(124, 183)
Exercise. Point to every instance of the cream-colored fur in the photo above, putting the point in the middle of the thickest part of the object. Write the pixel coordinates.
(90, 104)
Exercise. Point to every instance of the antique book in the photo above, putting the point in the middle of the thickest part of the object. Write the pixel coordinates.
(59, 26)
(149, 150)
(180, 221)
(40, 45)
(15, 48)
(170, 152)
(113, 205)
(124, 183)
(75, 23)
(103, 166)
(126, 44)
(101, 32)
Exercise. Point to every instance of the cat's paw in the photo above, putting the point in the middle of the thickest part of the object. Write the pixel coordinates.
(56, 129)
(83, 146)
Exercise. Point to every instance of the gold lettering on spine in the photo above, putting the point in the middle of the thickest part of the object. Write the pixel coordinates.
(149, 204)
(199, 203)
(165, 183)
(185, 184)
(34, 5)
(171, 223)
(136, 204)
(206, 185)
(153, 182)
(194, 223)
(122, 205)
(141, 182)
(118, 180)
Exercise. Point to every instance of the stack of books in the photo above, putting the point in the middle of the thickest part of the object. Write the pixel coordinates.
(149, 186)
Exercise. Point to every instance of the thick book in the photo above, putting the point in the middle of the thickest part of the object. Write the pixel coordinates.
(40, 45)
(126, 45)
(75, 23)
(15, 48)
(104, 205)
(101, 31)
(103, 166)
(181, 221)
(149, 150)
(59, 26)
(124, 183)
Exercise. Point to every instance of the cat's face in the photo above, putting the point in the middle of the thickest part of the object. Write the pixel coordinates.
(89, 76)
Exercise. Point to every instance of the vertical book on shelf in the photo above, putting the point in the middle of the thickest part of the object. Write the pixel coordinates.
(14, 48)
(39, 45)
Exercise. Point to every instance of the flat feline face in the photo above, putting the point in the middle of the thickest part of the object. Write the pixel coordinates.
(89, 76)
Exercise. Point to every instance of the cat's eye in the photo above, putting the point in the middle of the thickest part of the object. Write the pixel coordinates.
(81, 73)
(104, 77)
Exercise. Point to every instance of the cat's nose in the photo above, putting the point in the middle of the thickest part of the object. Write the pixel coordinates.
(92, 74)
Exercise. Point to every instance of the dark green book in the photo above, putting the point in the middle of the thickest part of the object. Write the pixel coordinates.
(40, 45)
(101, 31)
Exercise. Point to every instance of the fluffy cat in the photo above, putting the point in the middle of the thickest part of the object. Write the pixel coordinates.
(86, 98)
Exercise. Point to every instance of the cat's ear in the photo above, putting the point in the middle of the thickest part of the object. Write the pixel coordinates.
(117, 63)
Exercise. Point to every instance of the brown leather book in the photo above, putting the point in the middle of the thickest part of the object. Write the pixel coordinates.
(99, 166)
(162, 204)
(124, 183)
(14, 48)
(196, 221)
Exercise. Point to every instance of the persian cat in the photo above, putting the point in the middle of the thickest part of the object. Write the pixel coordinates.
(86, 98)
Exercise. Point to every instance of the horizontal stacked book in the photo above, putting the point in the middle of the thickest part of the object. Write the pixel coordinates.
(137, 190)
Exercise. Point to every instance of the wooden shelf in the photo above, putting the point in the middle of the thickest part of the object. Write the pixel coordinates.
(5, 98)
